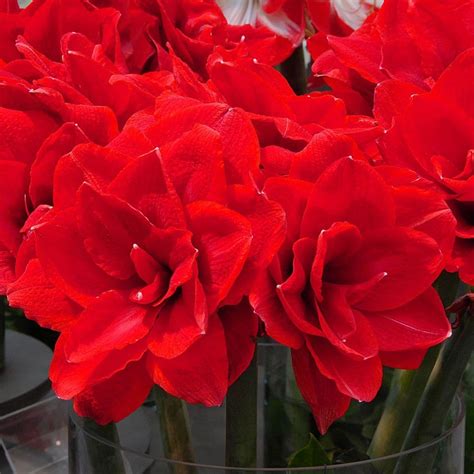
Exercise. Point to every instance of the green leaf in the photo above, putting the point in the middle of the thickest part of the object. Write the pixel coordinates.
(313, 454)
(469, 400)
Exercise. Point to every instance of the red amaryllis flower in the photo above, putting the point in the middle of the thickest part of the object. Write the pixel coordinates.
(408, 40)
(143, 251)
(46, 108)
(433, 134)
(350, 289)
(121, 30)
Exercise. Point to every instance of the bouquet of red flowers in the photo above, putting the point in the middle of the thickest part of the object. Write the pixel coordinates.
(167, 200)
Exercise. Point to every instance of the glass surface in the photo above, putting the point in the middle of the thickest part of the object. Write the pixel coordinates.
(283, 425)
(35, 439)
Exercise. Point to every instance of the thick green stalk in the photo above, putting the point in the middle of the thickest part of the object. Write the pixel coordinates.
(102, 458)
(294, 70)
(3, 308)
(175, 431)
(406, 391)
(241, 420)
(298, 416)
(275, 426)
(432, 410)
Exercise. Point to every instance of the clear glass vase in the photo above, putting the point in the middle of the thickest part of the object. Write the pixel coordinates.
(283, 422)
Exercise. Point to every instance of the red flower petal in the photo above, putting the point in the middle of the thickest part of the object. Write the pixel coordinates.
(268, 307)
(110, 323)
(324, 149)
(70, 379)
(268, 222)
(421, 323)
(391, 98)
(408, 360)
(145, 185)
(179, 323)
(108, 402)
(195, 165)
(98, 122)
(201, 374)
(292, 292)
(42, 171)
(340, 242)
(110, 227)
(345, 328)
(67, 263)
(292, 195)
(7, 269)
(428, 212)
(87, 163)
(23, 132)
(13, 176)
(326, 402)
(360, 52)
(359, 379)
(241, 328)
(409, 260)
(41, 300)
(365, 202)
(223, 238)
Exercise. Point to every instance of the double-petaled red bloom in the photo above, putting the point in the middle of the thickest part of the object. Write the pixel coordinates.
(432, 133)
(408, 40)
(148, 242)
(55, 92)
(350, 290)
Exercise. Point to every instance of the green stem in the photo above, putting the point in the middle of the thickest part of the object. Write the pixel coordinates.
(3, 308)
(294, 70)
(405, 393)
(102, 458)
(241, 419)
(275, 426)
(432, 410)
(175, 431)
(298, 417)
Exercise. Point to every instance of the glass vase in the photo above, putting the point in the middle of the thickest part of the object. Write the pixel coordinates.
(283, 421)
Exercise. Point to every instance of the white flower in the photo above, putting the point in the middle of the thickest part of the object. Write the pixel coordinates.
(354, 12)
(251, 12)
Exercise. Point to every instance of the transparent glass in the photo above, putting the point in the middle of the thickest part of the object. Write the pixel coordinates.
(34, 440)
(283, 426)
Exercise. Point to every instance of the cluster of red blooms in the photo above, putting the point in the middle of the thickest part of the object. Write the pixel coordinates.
(165, 197)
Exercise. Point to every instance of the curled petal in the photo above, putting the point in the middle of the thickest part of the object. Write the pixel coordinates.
(69, 379)
(110, 323)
